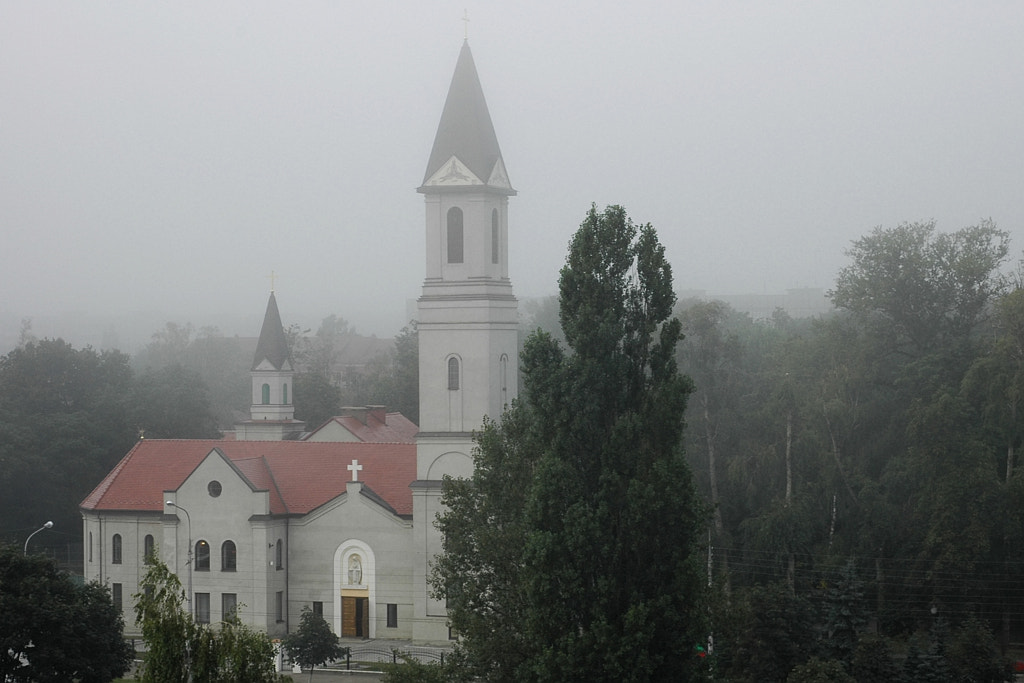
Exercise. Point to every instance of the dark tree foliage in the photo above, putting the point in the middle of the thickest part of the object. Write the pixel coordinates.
(313, 644)
(67, 416)
(481, 569)
(64, 422)
(52, 630)
(973, 655)
(817, 670)
(594, 560)
(778, 635)
(317, 399)
(873, 661)
(393, 379)
(845, 614)
(173, 403)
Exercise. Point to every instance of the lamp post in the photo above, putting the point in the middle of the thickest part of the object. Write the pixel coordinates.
(48, 525)
(172, 504)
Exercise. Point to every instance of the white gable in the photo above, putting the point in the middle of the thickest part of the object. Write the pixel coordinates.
(453, 172)
(499, 177)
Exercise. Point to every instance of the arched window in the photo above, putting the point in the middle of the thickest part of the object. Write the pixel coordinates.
(453, 373)
(504, 379)
(202, 556)
(90, 546)
(115, 549)
(285, 399)
(495, 239)
(228, 556)
(266, 394)
(279, 555)
(147, 549)
(455, 235)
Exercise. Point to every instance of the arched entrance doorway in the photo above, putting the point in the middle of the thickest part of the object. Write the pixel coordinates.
(354, 594)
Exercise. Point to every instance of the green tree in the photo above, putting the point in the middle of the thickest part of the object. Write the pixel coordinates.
(845, 614)
(53, 630)
(392, 379)
(179, 649)
(820, 671)
(484, 532)
(313, 644)
(317, 399)
(172, 403)
(167, 629)
(873, 661)
(608, 578)
(928, 289)
(778, 630)
(64, 423)
(974, 657)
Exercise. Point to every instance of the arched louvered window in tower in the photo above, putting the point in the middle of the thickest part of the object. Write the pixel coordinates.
(495, 236)
(455, 235)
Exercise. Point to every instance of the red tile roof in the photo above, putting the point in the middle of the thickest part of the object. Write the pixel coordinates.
(395, 428)
(300, 475)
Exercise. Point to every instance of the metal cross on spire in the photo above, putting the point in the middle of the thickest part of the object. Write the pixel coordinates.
(273, 277)
(465, 22)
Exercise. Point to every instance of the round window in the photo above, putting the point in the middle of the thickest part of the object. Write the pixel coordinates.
(214, 488)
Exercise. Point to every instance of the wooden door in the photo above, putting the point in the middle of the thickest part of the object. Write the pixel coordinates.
(355, 617)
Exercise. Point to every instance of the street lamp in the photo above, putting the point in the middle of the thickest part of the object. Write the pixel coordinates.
(48, 525)
(172, 504)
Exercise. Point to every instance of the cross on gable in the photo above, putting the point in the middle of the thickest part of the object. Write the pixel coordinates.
(354, 468)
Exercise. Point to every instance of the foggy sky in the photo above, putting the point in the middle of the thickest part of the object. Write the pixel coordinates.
(167, 157)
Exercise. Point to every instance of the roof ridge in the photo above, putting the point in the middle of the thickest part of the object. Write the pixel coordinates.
(96, 495)
(273, 480)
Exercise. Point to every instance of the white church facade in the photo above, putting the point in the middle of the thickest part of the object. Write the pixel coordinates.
(340, 520)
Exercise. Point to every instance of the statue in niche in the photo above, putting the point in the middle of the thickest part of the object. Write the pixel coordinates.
(355, 570)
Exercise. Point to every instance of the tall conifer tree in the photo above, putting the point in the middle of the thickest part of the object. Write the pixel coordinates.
(607, 580)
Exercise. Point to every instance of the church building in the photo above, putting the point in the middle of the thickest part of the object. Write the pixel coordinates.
(340, 519)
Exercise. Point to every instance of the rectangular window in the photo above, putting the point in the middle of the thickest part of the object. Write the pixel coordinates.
(318, 609)
(116, 593)
(279, 605)
(203, 608)
(228, 605)
(392, 615)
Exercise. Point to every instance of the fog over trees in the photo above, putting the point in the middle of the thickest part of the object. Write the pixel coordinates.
(861, 469)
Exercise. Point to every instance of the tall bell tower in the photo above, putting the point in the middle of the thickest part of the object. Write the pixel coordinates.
(468, 315)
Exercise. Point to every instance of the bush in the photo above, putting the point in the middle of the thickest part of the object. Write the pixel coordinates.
(820, 671)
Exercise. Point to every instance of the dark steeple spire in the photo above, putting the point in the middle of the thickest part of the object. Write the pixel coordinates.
(467, 134)
(273, 345)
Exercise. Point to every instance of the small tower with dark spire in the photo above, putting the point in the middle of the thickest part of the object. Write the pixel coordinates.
(272, 413)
